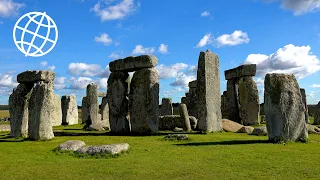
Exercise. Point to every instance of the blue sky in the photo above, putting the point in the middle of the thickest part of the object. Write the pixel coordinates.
(281, 36)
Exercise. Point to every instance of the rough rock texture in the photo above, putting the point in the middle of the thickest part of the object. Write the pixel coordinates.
(130, 64)
(84, 110)
(184, 100)
(313, 129)
(177, 129)
(233, 99)
(246, 129)
(71, 145)
(192, 101)
(185, 116)
(105, 112)
(102, 94)
(260, 131)
(224, 105)
(35, 76)
(104, 149)
(144, 101)
(18, 109)
(284, 109)
(95, 127)
(57, 111)
(243, 70)
(166, 107)
(317, 114)
(92, 102)
(304, 100)
(193, 84)
(40, 108)
(248, 101)
(178, 137)
(118, 102)
(230, 126)
(69, 110)
(169, 122)
(208, 92)
(263, 119)
(193, 122)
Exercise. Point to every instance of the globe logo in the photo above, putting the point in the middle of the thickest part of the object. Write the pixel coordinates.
(35, 34)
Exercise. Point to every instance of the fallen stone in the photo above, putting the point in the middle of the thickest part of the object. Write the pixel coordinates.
(35, 76)
(130, 64)
(71, 145)
(260, 131)
(177, 129)
(246, 129)
(95, 127)
(243, 70)
(230, 126)
(313, 129)
(112, 149)
(178, 137)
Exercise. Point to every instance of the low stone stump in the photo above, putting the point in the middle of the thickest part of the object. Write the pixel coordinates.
(260, 131)
(169, 122)
(178, 137)
(71, 145)
(112, 149)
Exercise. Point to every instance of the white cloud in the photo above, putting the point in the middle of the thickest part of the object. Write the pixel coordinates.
(83, 69)
(182, 80)
(114, 55)
(80, 83)
(59, 83)
(6, 80)
(105, 72)
(102, 83)
(169, 93)
(44, 63)
(163, 48)
(170, 71)
(260, 81)
(237, 37)
(193, 70)
(9, 8)
(114, 12)
(139, 49)
(290, 59)
(299, 7)
(51, 68)
(104, 39)
(205, 13)
(315, 86)
(207, 39)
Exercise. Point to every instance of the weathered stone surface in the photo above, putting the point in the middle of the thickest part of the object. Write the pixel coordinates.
(178, 137)
(102, 94)
(84, 110)
(313, 129)
(224, 105)
(233, 99)
(230, 126)
(284, 109)
(304, 100)
(69, 110)
(166, 107)
(192, 102)
(177, 129)
(130, 64)
(104, 149)
(92, 102)
(243, 70)
(35, 76)
(71, 145)
(248, 101)
(169, 122)
(260, 131)
(184, 100)
(144, 100)
(193, 84)
(40, 108)
(118, 102)
(185, 116)
(208, 93)
(246, 129)
(193, 122)
(18, 109)
(57, 111)
(95, 127)
(105, 112)
(263, 119)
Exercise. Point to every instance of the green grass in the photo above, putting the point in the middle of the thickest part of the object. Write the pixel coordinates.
(211, 156)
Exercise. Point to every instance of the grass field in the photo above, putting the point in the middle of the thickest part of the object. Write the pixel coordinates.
(211, 156)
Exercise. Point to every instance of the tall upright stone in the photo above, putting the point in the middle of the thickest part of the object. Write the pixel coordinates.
(284, 109)
(184, 114)
(105, 112)
(208, 91)
(118, 102)
(18, 109)
(166, 107)
(92, 102)
(40, 108)
(233, 99)
(57, 111)
(192, 103)
(84, 110)
(248, 101)
(317, 114)
(304, 100)
(144, 100)
(69, 110)
(224, 105)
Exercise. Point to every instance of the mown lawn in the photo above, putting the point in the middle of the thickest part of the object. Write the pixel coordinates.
(211, 156)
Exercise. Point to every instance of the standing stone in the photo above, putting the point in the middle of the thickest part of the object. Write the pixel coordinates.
(284, 109)
(192, 103)
(232, 98)
(166, 107)
(144, 100)
(18, 109)
(304, 100)
(317, 114)
(92, 102)
(69, 110)
(184, 114)
(57, 111)
(104, 108)
(84, 110)
(248, 101)
(224, 105)
(40, 108)
(118, 102)
(208, 89)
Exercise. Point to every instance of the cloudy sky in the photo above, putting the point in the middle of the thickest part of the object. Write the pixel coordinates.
(280, 36)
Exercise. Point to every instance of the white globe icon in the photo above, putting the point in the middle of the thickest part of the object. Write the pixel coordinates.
(29, 47)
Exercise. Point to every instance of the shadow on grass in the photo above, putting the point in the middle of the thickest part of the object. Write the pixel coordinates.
(11, 139)
(234, 142)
